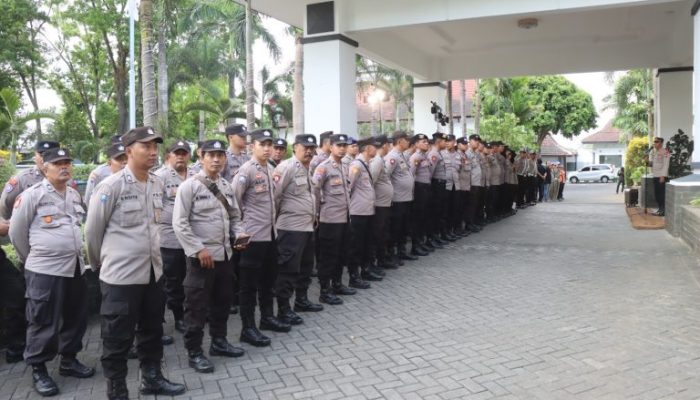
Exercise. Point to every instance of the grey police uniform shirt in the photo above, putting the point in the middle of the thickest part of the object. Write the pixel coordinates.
(331, 190)
(520, 166)
(121, 230)
(233, 164)
(420, 167)
(496, 170)
(531, 167)
(196, 167)
(465, 172)
(437, 164)
(16, 185)
(201, 221)
(293, 195)
(660, 162)
(501, 159)
(451, 169)
(476, 172)
(511, 176)
(347, 160)
(171, 181)
(361, 187)
(45, 230)
(485, 169)
(400, 175)
(317, 160)
(96, 176)
(383, 189)
(252, 187)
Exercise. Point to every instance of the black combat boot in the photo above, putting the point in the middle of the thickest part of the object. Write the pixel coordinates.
(250, 333)
(43, 383)
(368, 274)
(199, 362)
(302, 303)
(180, 326)
(70, 366)
(356, 280)
(167, 340)
(117, 390)
(418, 251)
(271, 323)
(339, 288)
(328, 296)
(285, 313)
(153, 382)
(221, 347)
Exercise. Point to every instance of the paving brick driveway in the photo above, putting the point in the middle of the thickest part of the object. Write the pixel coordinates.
(562, 301)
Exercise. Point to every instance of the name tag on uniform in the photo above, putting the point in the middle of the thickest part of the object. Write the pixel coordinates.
(260, 188)
(336, 181)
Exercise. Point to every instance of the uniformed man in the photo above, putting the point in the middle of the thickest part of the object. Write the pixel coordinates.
(116, 161)
(322, 152)
(45, 230)
(438, 192)
(197, 166)
(279, 152)
(531, 196)
(296, 218)
(476, 191)
(485, 181)
(123, 244)
(331, 190)
(451, 187)
(465, 179)
(352, 152)
(520, 166)
(362, 198)
(205, 219)
(660, 160)
(397, 167)
(383, 193)
(420, 169)
(11, 301)
(496, 176)
(173, 173)
(511, 182)
(236, 153)
(258, 264)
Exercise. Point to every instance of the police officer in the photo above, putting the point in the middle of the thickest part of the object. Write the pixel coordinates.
(236, 153)
(362, 199)
(401, 179)
(476, 190)
(531, 174)
(116, 161)
(205, 218)
(45, 230)
(465, 179)
(496, 181)
(452, 186)
(279, 152)
(331, 190)
(258, 264)
(511, 181)
(438, 192)
(172, 174)
(296, 218)
(383, 193)
(351, 153)
(322, 152)
(660, 160)
(420, 169)
(123, 243)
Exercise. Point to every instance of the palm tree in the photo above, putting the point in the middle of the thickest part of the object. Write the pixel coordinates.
(13, 123)
(269, 89)
(148, 75)
(249, 95)
(463, 107)
(477, 108)
(633, 102)
(214, 101)
(298, 95)
(399, 86)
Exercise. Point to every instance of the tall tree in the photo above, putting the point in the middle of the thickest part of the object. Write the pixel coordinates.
(298, 95)
(477, 107)
(249, 95)
(400, 87)
(463, 106)
(632, 100)
(269, 89)
(12, 123)
(148, 73)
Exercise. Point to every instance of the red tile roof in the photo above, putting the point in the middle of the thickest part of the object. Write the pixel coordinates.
(608, 134)
(550, 147)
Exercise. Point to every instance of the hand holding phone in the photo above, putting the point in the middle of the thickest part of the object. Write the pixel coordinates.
(241, 241)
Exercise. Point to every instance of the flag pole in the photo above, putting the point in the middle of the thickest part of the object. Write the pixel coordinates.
(132, 62)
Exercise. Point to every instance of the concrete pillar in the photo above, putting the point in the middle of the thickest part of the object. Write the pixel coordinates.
(329, 84)
(423, 94)
(674, 101)
(696, 90)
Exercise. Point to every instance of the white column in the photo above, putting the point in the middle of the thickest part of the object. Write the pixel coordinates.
(674, 102)
(696, 91)
(329, 85)
(423, 94)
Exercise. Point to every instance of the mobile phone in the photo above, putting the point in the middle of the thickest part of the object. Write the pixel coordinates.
(241, 241)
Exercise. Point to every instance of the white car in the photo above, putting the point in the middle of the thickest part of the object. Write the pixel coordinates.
(594, 173)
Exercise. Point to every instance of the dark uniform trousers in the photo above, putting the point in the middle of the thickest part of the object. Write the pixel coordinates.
(360, 238)
(235, 262)
(174, 270)
(207, 298)
(380, 233)
(56, 315)
(13, 304)
(295, 257)
(476, 211)
(453, 215)
(522, 190)
(399, 224)
(531, 195)
(463, 210)
(421, 199)
(438, 194)
(332, 239)
(511, 191)
(258, 274)
(129, 310)
(493, 200)
(659, 193)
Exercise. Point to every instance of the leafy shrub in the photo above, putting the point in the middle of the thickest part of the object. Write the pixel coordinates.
(635, 157)
(637, 174)
(82, 172)
(6, 171)
(681, 147)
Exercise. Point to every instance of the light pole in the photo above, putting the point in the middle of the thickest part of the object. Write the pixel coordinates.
(132, 62)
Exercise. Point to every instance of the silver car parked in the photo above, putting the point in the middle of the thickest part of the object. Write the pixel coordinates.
(594, 173)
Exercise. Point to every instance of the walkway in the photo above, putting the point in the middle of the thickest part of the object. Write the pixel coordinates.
(562, 301)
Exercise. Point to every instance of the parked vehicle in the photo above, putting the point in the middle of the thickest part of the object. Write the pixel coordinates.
(594, 173)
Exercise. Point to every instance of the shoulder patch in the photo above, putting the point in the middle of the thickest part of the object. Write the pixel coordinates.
(392, 160)
(104, 197)
(276, 178)
(433, 158)
(242, 179)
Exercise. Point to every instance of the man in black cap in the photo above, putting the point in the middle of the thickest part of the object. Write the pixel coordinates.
(476, 190)
(279, 151)
(45, 230)
(236, 153)
(296, 218)
(123, 244)
(384, 192)
(420, 168)
(323, 151)
(116, 160)
(438, 191)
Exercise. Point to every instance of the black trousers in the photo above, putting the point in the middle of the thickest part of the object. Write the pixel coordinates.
(360, 238)
(400, 212)
(660, 193)
(522, 190)
(511, 189)
(380, 233)
(560, 195)
(463, 209)
(129, 310)
(476, 202)
(420, 211)
(492, 201)
(531, 195)
(13, 304)
(295, 257)
(56, 315)
(258, 274)
(235, 261)
(174, 270)
(438, 194)
(452, 217)
(207, 298)
(332, 241)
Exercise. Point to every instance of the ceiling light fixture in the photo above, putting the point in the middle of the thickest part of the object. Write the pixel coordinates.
(527, 23)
